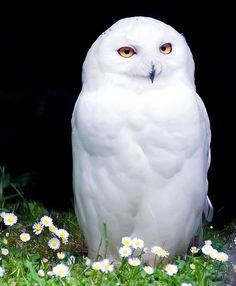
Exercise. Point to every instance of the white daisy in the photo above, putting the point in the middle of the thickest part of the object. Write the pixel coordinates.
(5, 241)
(125, 251)
(41, 273)
(45, 260)
(54, 243)
(2, 271)
(106, 266)
(126, 241)
(186, 284)
(171, 269)
(46, 221)
(88, 261)
(148, 269)
(25, 237)
(37, 228)
(61, 255)
(10, 219)
(192, 266)
(213, 253)
(134, 261)
(60, 270)
(194, 249)
(4, 251)
(53, 228)
(206, 249)
(96, 265)
(63, 234)
(221, 256)
(137, 243)
(157, 250)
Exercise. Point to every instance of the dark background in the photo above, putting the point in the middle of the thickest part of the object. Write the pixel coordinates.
(42, 49)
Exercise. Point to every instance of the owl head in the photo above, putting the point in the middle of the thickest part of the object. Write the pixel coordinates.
(139, 51)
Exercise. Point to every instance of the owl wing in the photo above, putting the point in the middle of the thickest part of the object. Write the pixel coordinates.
(208, 208)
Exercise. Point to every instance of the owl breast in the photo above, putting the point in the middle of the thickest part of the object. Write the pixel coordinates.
(155, 131)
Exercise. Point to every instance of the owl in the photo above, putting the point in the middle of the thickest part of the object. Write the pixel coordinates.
(140, 141)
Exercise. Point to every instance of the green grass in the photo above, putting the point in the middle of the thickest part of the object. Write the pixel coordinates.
(25, 259)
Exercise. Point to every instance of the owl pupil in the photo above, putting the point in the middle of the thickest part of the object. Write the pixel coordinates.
(163, 48)
(127, 52)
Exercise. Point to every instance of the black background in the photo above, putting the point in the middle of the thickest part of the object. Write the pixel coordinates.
(42, 49)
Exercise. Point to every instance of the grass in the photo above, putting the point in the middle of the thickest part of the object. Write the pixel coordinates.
(25, 259)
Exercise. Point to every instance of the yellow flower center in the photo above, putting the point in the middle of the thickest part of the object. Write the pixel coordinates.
(60, 271)
(10, 219)
(38, 227)
(106, 266)
(54, 243)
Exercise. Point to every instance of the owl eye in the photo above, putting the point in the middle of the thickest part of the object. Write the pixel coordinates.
(126, 52)
(166, 48)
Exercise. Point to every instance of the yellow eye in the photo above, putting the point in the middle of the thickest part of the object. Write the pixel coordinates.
(166, 48)
(126, 52)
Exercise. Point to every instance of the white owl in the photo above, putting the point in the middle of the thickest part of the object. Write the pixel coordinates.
(140, 140)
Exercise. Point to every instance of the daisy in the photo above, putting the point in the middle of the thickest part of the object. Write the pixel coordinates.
(186, 284)
(60, 270)
(213, 253)
(5, 241)
(54, 243)
(134, 261)
(4, 251)
(171, 269)
(88, 261)
(126, 241)
(10, 219)
(61, 255)
(37, 228)
(96, 265)
(194, 249)
(63, 234)
(159, 251)
(25, 237)
(106, 266)
(46, 221)
(41, 273)
(192, 266)
(221, 256)
(137, 243)
(125, 251)
(2, 271)
(53, 228)
(206, 249)
(148, 269)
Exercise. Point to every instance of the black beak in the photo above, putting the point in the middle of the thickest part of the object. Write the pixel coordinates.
(152, 73)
